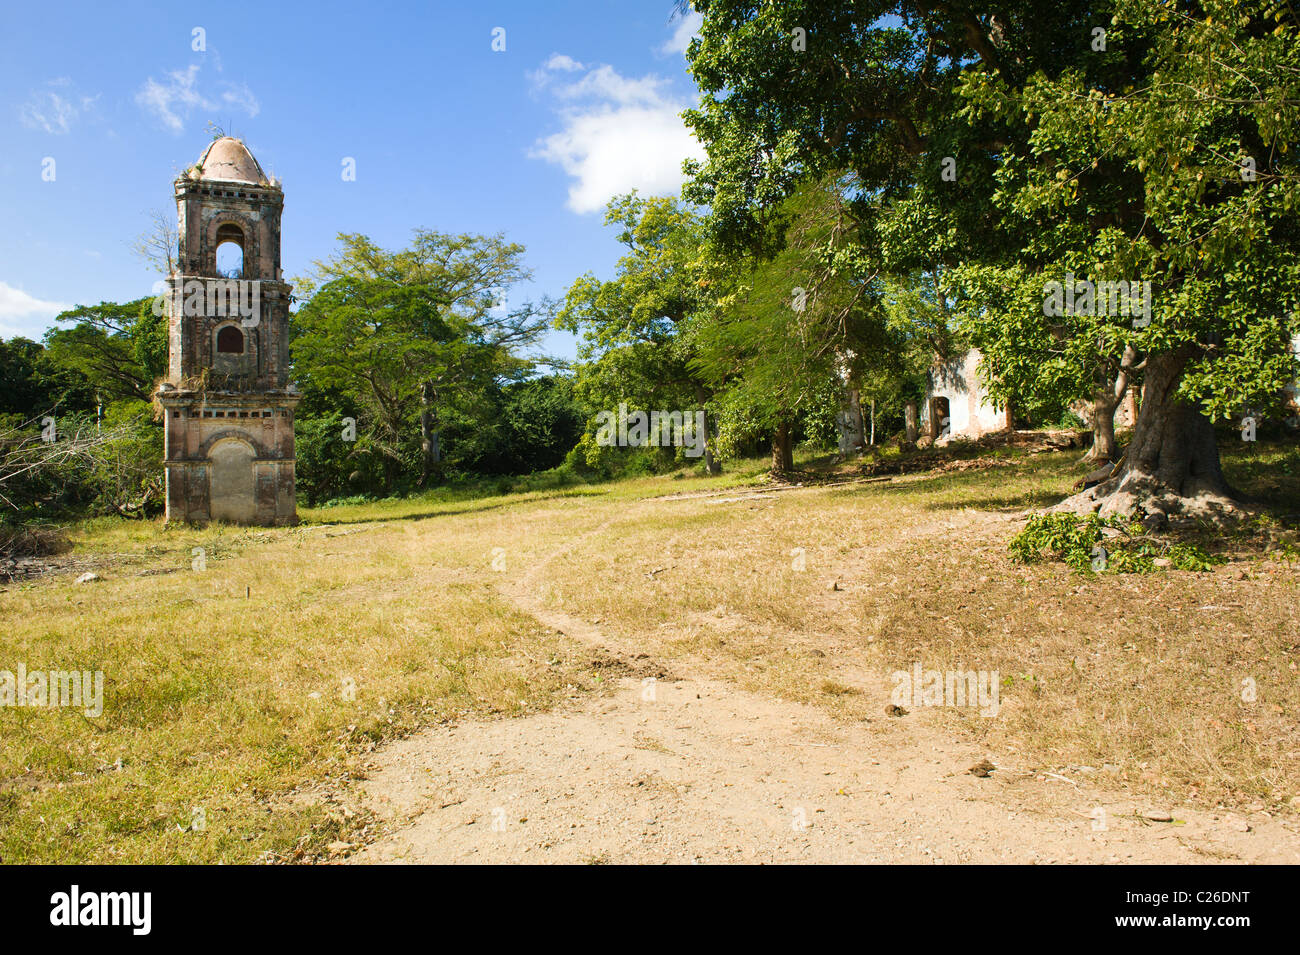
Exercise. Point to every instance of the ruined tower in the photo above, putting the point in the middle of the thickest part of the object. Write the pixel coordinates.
(228, 404)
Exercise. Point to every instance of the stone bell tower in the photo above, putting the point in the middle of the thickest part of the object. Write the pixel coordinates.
(228, 405)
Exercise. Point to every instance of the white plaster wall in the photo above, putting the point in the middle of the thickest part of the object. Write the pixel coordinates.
(970, 414)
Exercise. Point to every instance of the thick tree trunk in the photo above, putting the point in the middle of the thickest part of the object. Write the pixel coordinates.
(909, 424)
(782, 449)
(390, 474)
(712, 465)
(851, 426)
(1103, 447)
(1172, 463)
(428, 440)
(1105, 402)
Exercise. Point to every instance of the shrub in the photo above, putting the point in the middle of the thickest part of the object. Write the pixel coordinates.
(1084, 545)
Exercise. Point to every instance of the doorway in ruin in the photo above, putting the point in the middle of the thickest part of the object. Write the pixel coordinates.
(231, 494)
(939, 417)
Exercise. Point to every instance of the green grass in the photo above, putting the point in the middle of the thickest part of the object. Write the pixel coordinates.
(225, 688)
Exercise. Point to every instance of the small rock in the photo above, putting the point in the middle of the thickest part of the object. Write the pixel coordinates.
(86, 578)
(1162, 562)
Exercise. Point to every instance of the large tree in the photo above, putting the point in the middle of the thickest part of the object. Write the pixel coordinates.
(121, 349)
(786, 333)
(639, 328)
(1105, 136)
(31, 386)
(415, 334)
(1207, 133)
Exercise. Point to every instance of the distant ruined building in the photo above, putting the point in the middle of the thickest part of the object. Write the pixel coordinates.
(229, 409)
(958, 404)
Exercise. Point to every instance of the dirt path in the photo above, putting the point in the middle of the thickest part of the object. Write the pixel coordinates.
(672, 767)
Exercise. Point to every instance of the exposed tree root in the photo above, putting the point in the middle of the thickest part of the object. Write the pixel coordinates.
(1170, 474)
(1159, 505)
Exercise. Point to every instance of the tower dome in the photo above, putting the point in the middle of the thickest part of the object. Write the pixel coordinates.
(228, 160)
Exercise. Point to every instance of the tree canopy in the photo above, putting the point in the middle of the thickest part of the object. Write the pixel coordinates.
(1125, 141)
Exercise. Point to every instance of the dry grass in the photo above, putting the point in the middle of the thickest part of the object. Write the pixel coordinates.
(224, 685)
(1141, 674)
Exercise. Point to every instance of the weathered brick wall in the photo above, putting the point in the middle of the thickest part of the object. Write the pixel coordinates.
(229, 440)
(196, 423)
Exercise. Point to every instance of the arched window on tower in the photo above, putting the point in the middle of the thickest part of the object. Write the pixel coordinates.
(230, 341)
(230, 251)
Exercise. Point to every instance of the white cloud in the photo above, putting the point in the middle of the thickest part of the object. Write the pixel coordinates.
(604, 83)
(23, 314)
(559, 61)
(688, 27)
(174, 100)
(178, 96)
(56, 108)
(240, 96)
(619, 134)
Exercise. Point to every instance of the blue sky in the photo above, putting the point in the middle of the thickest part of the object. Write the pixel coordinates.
(446, 133)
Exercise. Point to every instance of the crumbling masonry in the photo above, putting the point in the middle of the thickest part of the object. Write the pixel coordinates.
(229, 408)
